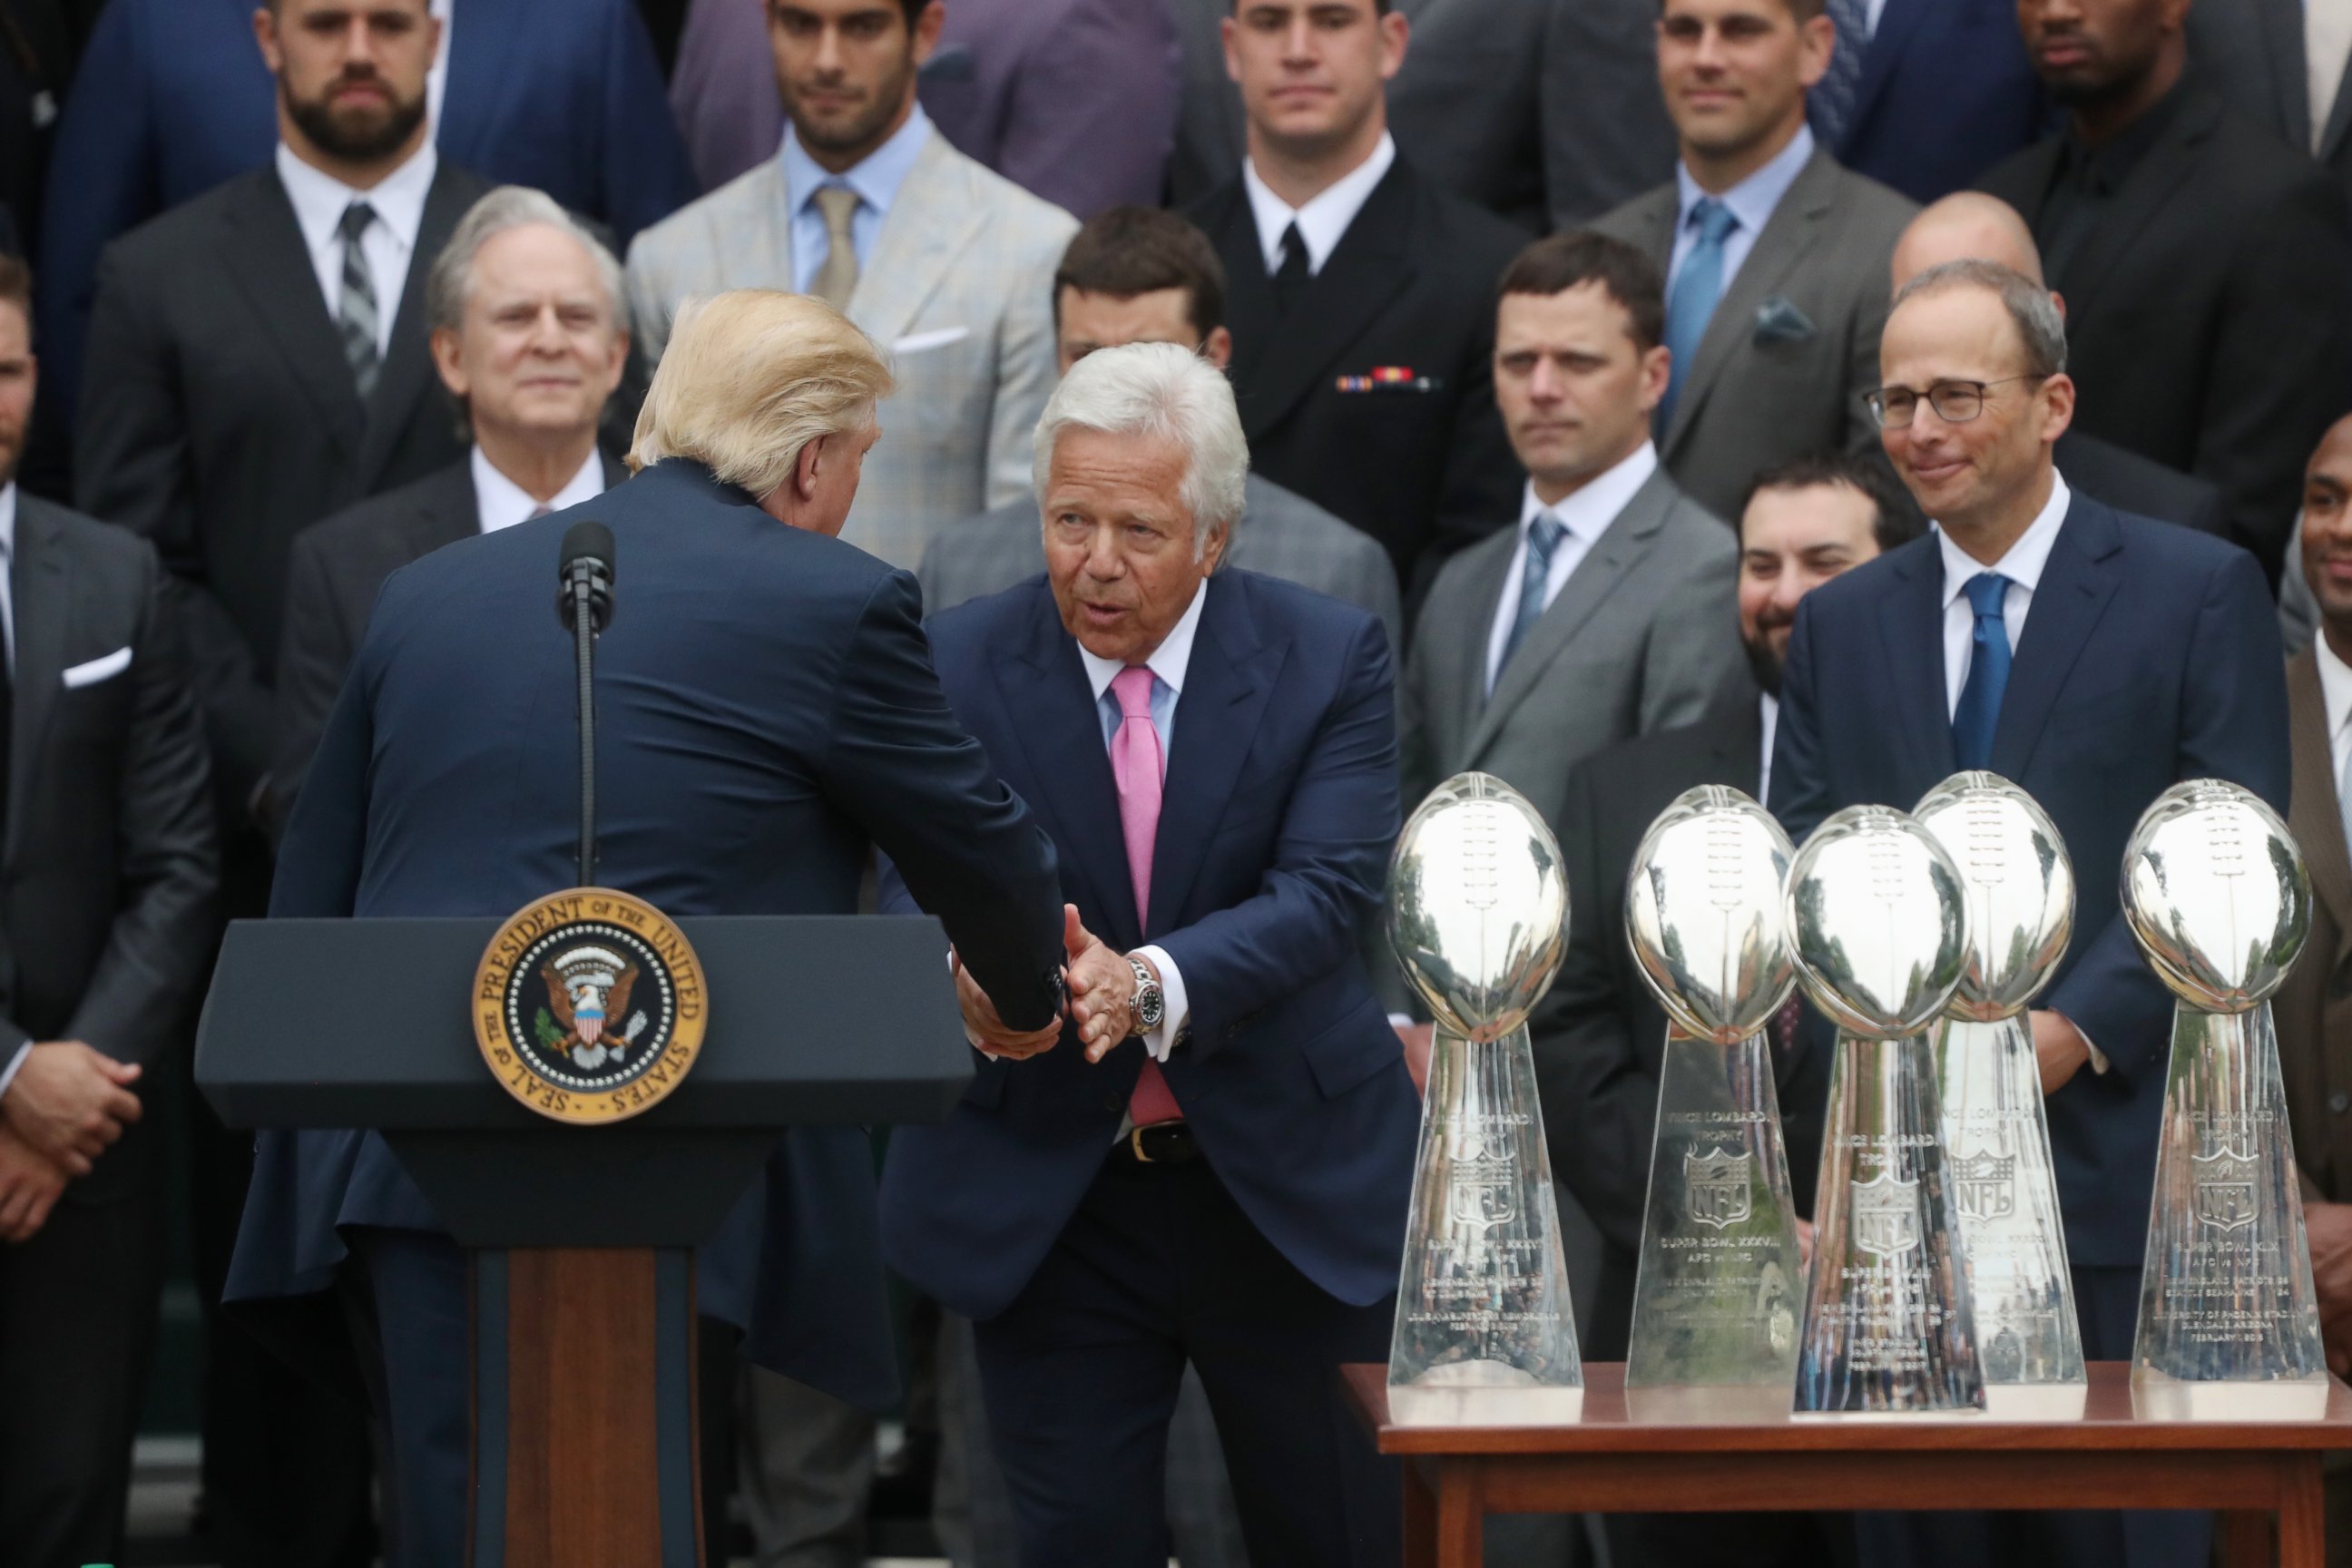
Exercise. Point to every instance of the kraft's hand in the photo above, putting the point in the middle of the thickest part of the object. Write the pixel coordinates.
(989, 1033)
(1805, 1242)
(1418, 1040)
(1102, 987)
(29, 1186)
(68, 1103)
(2059, 1048)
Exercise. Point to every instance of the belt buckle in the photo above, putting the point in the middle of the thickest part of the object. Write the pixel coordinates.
(1135, 1143)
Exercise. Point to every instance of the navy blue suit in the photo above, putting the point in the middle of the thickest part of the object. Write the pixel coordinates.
(1947, 91)
(1275, 1256)
(2150, 655)
(766, 707)
(172, 98)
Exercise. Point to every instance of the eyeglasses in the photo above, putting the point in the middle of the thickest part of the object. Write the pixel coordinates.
(1954, 402)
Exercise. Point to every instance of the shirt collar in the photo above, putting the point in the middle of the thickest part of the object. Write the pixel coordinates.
(2335, 691)
(8, 522)
(318, 198)
(1169, 661)
(1753, 199)
(1323, 221)
(876, 179)
(1587, 513)
(2102, 168)
(499, 502)
(2025, 559)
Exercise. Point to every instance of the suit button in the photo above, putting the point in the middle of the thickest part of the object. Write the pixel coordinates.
(2340, 1103)
(1113, 1102)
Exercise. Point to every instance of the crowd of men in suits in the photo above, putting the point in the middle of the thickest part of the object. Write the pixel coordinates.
(1773, 393)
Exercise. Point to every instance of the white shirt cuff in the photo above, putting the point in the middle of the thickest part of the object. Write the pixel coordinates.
(8, 1073)
(1177, 1011)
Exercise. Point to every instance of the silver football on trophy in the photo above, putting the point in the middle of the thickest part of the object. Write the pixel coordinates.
(1875, 925)
(2215, 890)
(1477, 905)
(2017, 884)
(1703, 914)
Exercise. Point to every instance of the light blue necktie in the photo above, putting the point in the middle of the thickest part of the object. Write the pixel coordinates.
(1691, 305)
(1544, 535)
(1980, 710)
(1832, 99)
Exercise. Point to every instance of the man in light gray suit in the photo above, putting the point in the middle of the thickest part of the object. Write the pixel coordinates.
(1775, 257)
(1140, 275)
(940, 262)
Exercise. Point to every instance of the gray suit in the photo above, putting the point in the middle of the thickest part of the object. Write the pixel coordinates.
(1281, 534)
(1793, 345)
(958, 292)
(2252, 53)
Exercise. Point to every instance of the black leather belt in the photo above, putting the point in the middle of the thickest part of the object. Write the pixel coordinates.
(1162, 1143)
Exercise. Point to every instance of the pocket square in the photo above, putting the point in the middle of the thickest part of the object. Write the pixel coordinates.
(97, 670)
(1779, 321)
(916, 342)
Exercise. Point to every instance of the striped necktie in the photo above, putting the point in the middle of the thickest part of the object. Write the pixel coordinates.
(355, 311)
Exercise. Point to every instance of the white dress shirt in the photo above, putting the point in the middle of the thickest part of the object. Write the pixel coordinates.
(1585, 515)
(1168, 664)
(1769, 706)
(1324, 220)
(499, 502)
(2335, 702)
(2021, 566)
(389, 243)
(1752, 200)
(8, 632)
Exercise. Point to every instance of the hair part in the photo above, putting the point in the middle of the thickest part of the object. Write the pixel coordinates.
(451, 282)
(1559, 262)
(752, 377)
(1894, 518)
(2041, 329)
(1126, 251)
(1161, 390)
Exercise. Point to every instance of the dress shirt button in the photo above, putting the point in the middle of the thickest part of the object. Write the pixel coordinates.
(2340, 1103)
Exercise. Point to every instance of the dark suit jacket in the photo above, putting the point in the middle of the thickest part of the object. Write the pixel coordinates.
(2209, 318)
(2150, 655)
(563, 95)
(1423, 466)
(1281, 806)
(2252, 53)
(222, 420)
(1947, 91)
(2129, 482)
(2313, 1011)
(109, 873)
(332, 577)
(766, 709)
(1599, 1034)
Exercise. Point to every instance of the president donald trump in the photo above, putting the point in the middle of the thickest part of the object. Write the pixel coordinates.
(1212, 1163)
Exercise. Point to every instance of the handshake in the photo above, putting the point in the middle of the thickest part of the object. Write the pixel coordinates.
(1101, 989)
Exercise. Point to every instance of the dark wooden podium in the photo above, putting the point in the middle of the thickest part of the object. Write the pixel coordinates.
(2111, 1455)
(581, 1237)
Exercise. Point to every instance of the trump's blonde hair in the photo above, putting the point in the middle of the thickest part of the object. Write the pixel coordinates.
(751, 377)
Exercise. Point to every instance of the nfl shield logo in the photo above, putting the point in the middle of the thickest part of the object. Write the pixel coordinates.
(2225, 1188)
(1718, 1185)
(1480, 1198)
(1885, 1215)
(1985, 1184)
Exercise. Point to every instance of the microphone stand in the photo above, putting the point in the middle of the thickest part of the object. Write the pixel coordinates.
(584, 646)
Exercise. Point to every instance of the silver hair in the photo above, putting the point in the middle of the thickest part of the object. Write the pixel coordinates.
(1158, 389)
(506, 207)
(2040, 327)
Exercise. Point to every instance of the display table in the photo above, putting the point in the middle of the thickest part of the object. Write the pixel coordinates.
(2109, 1456)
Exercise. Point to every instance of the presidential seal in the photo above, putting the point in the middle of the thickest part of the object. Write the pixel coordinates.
(588, 1006)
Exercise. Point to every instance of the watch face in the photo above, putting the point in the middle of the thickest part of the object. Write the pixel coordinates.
(1148, 1008)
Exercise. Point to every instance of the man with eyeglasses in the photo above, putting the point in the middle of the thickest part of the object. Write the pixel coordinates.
(2095, 659)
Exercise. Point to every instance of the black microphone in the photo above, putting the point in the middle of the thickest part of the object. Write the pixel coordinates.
(587, 556)
(584, 602)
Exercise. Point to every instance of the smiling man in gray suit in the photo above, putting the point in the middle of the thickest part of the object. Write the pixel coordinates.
(1775, 257)
(942, 263)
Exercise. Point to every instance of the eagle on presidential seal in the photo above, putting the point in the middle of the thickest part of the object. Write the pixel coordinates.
(585, 987)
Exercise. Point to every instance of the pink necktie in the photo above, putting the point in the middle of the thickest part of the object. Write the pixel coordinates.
(1135, 768)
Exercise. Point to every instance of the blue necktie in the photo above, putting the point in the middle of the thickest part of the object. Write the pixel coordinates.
(1980, 709)
(1544, 535)
(1691, 305)
(1832, 99)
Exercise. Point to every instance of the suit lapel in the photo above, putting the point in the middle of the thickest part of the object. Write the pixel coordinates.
(270, 263)
(1789, 234)
(930, 221)
(1650, 222)
(447, 513)
(1911, 627)
(1486, 566)
(1369, 268)
(2150, 189)
(1896, 25)
(2076, 584)
(2317, 824)
(1225, 690)
(2280, 22)
(474, 102)
(39, 580)
(408, 367)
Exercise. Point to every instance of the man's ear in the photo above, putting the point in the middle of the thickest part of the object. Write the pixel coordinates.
(807, 466)
(447, 362)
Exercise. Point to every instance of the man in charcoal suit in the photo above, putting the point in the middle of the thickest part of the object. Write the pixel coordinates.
(2282, 64)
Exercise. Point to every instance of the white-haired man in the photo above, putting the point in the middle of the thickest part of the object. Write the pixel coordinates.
(524, 306)
(1214, 1168)
(766, 689)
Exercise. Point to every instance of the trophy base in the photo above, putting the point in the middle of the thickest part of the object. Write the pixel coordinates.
(2035, 1401)
(1709, 1405)
(1887, 1417)
(2156, 1397)
(1463, 1400)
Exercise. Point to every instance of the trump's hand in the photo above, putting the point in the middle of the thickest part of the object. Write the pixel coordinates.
(1102, 987)
(1418, 1040)
(988, 1033)
(29, 1187)
(68, 1103)
(2059, 1048)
